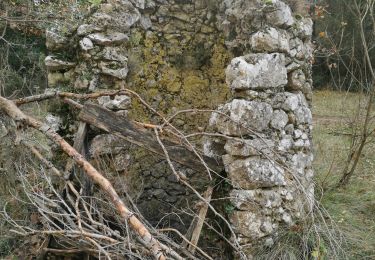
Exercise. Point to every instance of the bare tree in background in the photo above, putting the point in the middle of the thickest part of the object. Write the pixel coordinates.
(346, 43)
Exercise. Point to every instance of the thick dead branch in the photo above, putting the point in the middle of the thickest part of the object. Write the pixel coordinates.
(157, 249)
(111, 123)
(68, 95)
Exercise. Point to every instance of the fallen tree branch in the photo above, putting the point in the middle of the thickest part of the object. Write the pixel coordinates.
(157, 249)
(109, 121)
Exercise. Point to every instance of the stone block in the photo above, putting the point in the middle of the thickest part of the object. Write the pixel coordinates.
(257, 71)
(255, 172)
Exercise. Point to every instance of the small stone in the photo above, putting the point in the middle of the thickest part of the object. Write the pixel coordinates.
(117, 15)
(299, 144)
(146, 22)
(287, 218)
(86, 44)
(139, 3)
(269, 242)
(54, 64)
(305, 27)
(54, 122)
(81, 84)
(247, 224)
(289, 129)
(121, 161)
(286, 143)
(267, 227)
(86, 29)
(3, 130)
(109, 38)
(296, 80)
(119, 102)
(55, 40)
(119, 73)
(279, 119)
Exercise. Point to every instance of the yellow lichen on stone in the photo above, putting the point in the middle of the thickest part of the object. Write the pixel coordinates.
(171, 79)
(195, 88)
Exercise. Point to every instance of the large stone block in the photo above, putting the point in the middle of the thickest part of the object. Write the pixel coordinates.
(255, 172)
(54, 64)
(280, 14)
(116, 15)
(256, 200)
(245, 148)
(257, 71)
(270, 40)
(251, 224)
(244, 117)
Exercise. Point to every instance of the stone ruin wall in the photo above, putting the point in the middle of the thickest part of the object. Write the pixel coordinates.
(251, 59)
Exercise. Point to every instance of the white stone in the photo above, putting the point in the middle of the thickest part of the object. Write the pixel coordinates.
(146, 22)
(3, 130)
(119, 102)
(249, 199)
(54, 122)
(248, 224)
(255, 173)
(247, 148)
(303, 115)
(86, 44)
(117, 15)
(296, 80)
(86, 29)
(301, 161)
(286, 143)
(305, 27)
(279, 119)
(119, 73)
(139, 3)
(54, 64)
(257, 71)
(270, 40)
(298, 133)
(281, 16)
(108, 38)
(244, 117)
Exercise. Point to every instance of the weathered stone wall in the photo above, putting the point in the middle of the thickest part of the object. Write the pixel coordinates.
(268, 152)
(181, 54)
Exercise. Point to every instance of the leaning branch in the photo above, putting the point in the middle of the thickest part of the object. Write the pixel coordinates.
(157, 249)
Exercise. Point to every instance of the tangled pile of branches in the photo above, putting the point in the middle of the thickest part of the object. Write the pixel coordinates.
(110, 226)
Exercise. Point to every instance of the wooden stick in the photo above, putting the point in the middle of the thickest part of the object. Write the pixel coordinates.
(200, 220)
(157, 249)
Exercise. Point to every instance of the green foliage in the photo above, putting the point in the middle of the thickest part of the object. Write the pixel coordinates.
(229, 208)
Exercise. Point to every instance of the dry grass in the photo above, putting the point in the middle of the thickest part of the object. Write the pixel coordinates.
(352, 208)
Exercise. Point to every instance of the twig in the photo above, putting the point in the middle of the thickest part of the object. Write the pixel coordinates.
(156, 248)
(186, 240)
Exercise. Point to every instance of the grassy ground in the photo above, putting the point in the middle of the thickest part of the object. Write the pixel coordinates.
(353, 207)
